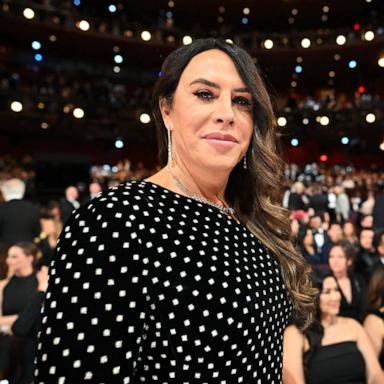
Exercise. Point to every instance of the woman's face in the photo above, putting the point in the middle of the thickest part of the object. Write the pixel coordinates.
(330, 297)
(308, 238)
(211, 114)
(48, 226)
(337, 260)
(17, 259)
(348, 229)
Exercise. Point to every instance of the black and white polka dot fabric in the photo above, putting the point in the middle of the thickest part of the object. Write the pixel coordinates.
(149, 286)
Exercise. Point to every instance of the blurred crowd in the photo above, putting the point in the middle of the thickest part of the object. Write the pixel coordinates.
(337, 221)
(111, 96)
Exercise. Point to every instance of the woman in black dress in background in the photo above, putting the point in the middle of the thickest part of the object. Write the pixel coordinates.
(351, 284)
(374, 321)
(16, 293)
(333, 349)
(190, 275)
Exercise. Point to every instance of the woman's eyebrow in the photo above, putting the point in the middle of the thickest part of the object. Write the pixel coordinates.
(214, 85)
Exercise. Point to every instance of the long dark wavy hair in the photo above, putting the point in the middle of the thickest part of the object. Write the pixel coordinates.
(375, 294)
(315, 331)
(255, 192)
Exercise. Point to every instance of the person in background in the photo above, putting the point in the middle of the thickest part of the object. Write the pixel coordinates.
(16, 293)
(297, 198)
(19, 219)
(378, 211)
(342, 204)
(47, 241)
(366, 258)
(308, 249)
(374, 321)
(319, 234)
(351, 285)
(318, 200)
(94, 189)
(333, 349)
(349, 234)
(69, 203)
(378, 243)
(366, 222)
(367, 205)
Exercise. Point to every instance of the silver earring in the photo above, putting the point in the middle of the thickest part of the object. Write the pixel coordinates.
(245, 162)
(169, 144)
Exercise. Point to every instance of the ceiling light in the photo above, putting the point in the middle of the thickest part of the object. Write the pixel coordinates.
(29, 13)
(268, 44)
(16, 106)
(78, 113)
(341, 40)
(146, 35)
(305, 43)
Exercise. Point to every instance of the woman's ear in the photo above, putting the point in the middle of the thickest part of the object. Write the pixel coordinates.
(165, 109)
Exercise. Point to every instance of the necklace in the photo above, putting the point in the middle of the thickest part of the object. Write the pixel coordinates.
(200, 199)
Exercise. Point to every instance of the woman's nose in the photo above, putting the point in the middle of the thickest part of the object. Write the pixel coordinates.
(224, 112)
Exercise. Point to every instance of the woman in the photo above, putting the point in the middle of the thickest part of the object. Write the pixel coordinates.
(332, 350)
(47, 241)
(374, 322)
(15, 295)
(190, 275)
(351, 285)
(349, 234)
(308, 247)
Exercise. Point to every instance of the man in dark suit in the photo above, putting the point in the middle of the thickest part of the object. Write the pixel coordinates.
(378, 212)
(19, 219)
(69, 203)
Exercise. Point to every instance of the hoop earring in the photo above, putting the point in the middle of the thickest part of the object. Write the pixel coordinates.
(245, 162)
(170, 157)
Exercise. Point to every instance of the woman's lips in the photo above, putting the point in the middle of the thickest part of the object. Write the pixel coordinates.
(220, 140)
(220, 137)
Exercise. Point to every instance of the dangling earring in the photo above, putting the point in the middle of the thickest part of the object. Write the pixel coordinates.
(169, 144)
(245, 162)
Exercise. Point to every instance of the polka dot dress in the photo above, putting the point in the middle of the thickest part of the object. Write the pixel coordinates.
(149, 286)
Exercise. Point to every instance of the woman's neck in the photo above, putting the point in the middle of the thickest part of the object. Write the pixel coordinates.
(341, 275)
(328, 320)
(209, 184)
(23, 272)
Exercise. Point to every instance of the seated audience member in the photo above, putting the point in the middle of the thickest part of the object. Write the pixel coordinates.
(69, 203)
(378, 243)
(334, 236)
(351, 284)
(377, 212)
(19, 219)
(27, 326)
(16, 294)
(318, 201)
(94, 189)
(349, 234)
(297, 198)
(319, 234)
(47, 240)
(333, 349)
(366, 258)
(307, 247)
(342, 204)
(374, 322)
(366, 221)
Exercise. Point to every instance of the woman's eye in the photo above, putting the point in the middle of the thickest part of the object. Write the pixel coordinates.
(204, 95)
(242, 101)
